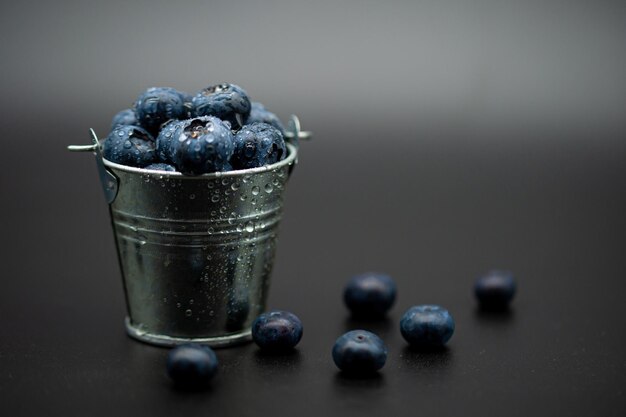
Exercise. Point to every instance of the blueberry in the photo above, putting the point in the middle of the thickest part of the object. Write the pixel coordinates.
(495, 290)
(359, 352)
(164, 140)
(370, 295)
(259, 114)
(427, 326)
(160, 166)
(129, 145)
(237, 309)
(256, 145)
(225, 101)
(201, 145)
(191, 364)
(157, 105)
(125, 118)
(277, 330)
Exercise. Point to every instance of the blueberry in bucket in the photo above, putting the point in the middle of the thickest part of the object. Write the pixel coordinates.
(125, 118)
(258, 144)
(201, 145)
(157, 105)
(259, 114)
(129, 145)
(225, 101)
(164, 140)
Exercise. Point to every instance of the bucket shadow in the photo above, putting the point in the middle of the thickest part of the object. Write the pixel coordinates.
(491, 316)
(277, 361)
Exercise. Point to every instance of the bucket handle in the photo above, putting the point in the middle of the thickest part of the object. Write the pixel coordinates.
(294, 134)
(108, 180)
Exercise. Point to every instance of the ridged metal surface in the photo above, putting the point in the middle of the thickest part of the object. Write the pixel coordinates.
(196, 253)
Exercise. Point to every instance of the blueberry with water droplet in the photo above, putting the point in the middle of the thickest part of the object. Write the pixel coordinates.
(277, 330)
(129, 145)
(160, 166)
(201, 145)
(258, 144)
(259, 114)
(157, 105)
(359, 352)
(124, 118)
(225, 101)
(165, 138)
(192, 365)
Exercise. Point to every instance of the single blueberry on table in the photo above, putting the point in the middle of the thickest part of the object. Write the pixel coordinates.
(191, 364)
(495, 290)
(370, 295)
(256, 145)
(225, 101)
(259, 114)
(359, 352)
(129, 145)
(160, 166)
(157, 105)
(427, 326)
(201, 145)
(125, 117)
(277, 330)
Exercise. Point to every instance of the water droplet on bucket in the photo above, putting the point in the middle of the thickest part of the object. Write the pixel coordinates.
(256, 190)
(215, 198)
(243, 197)
(192, 196)
(235, 186)
(250, 227)
(188, 313)
(269, 188)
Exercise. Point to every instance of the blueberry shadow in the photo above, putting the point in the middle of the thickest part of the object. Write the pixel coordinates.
(189, 389)
(373, 380)
(432, 359)
(497, 315)
(281, 360)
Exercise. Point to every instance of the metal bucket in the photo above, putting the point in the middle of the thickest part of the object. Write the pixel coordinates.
(196, 253)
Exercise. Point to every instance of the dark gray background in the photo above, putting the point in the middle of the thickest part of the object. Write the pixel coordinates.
(450, 138)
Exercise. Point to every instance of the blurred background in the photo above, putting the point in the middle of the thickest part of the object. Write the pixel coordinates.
(450, 137)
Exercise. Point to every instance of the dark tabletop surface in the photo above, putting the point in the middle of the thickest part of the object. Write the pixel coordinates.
(451, 138)
(434, 212)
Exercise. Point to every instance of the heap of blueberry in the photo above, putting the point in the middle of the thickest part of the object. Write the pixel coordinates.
(216, 130)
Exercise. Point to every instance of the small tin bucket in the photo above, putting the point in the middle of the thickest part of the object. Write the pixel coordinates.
(195, 252)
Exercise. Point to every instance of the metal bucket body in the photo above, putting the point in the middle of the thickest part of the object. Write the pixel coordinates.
(196, 253)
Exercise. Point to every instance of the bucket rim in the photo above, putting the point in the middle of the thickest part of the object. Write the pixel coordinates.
(290, 159)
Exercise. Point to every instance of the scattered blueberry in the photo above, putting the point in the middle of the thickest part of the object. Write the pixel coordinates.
(191, 364)
(277, 330)
(256, 145)
(125, 118)
(201, 145)
(225, 101)
(370, 295)
(259, 114)
(359, 352)
(427, 326)
(160, 166)
(129, 145)
(495, 290)
(157, 105)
